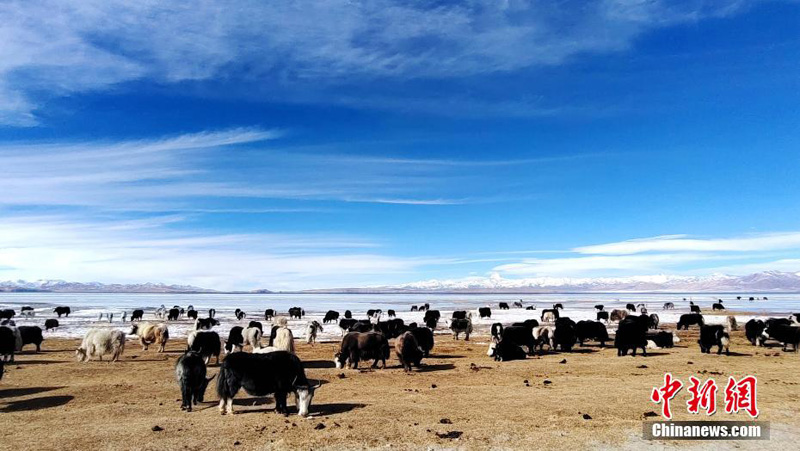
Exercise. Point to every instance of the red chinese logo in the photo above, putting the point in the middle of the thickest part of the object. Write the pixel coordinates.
(704, 397)
(741, 396)
(665, 393)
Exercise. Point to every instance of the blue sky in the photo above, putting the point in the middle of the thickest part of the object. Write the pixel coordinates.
(322, 144)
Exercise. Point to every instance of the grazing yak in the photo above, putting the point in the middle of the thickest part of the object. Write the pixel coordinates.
(496, 331)
(392, 328)
(431, 318)
(630, 307)
(239, 337)
(591, 330)
(268, 314)
(346, 323)
(730, 323)
(205, 323)
(506, 350)
(753, 330)
(599, 307)
(558, 306)
(173, 314)
(257, 325)
(530, 307)
(717, 305)
(511, 340)
(669, 306)
(424, 337)
(190, 371)
(544, 335)
(10, 341)
(296, 312)
(356, 346)
(151, 333)
(459, 314)
(137, 315)
(618, 315)
(311, 331)
(484, 312)
(661, 339)
(565, 334)
(770, 322)
(602, 316)
(235, 341)
(694, 308)
(212, 312)
(62, 311)
(8, 313)
(690, 319)
(348, 314)
(284, 339)
(784, 334)
(330, 317)
(414, 308)
(654, 321)
(239, 314)
(714, 336)
(99, 342)
(374, 313)
(503, 305)
(408, 351)
(459, 326)
(207, 343)
(549, 315)
(391, 313)
(191, 314)
(632, 334)
(50, 324)
(278, 373)
(518, 304)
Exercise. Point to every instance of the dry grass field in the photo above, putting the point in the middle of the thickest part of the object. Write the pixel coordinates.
(459, 399)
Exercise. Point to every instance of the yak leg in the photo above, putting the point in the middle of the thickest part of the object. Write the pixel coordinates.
(280, 403)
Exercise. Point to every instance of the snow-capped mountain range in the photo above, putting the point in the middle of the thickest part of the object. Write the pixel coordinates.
(768, 281)
(60, 286)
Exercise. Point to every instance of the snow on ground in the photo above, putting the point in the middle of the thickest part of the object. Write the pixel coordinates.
(86, 308)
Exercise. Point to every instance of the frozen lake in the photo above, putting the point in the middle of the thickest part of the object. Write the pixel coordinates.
(87, 307)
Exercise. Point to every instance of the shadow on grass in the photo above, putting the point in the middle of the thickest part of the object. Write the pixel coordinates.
(44, 402)
(14, 392)
(426, 368)
(319, 364)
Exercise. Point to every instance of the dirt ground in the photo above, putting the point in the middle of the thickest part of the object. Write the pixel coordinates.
(50, 401)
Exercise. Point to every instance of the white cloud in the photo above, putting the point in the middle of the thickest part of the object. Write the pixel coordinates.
(682, 243)
(599, 265)
(157, 249)
(59, 48)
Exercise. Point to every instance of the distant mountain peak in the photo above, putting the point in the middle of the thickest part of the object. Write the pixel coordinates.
(776, 281)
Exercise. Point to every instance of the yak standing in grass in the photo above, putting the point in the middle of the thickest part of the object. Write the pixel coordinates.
(278, 373)
(190, 371)
(408, 351)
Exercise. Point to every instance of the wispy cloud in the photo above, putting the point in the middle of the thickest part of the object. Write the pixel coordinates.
(54, 48)
(683, 243)
(172, 173)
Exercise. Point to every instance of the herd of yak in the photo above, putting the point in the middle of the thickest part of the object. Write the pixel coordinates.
(273, 368)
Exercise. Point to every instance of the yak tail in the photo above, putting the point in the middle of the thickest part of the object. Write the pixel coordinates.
(227, 385)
